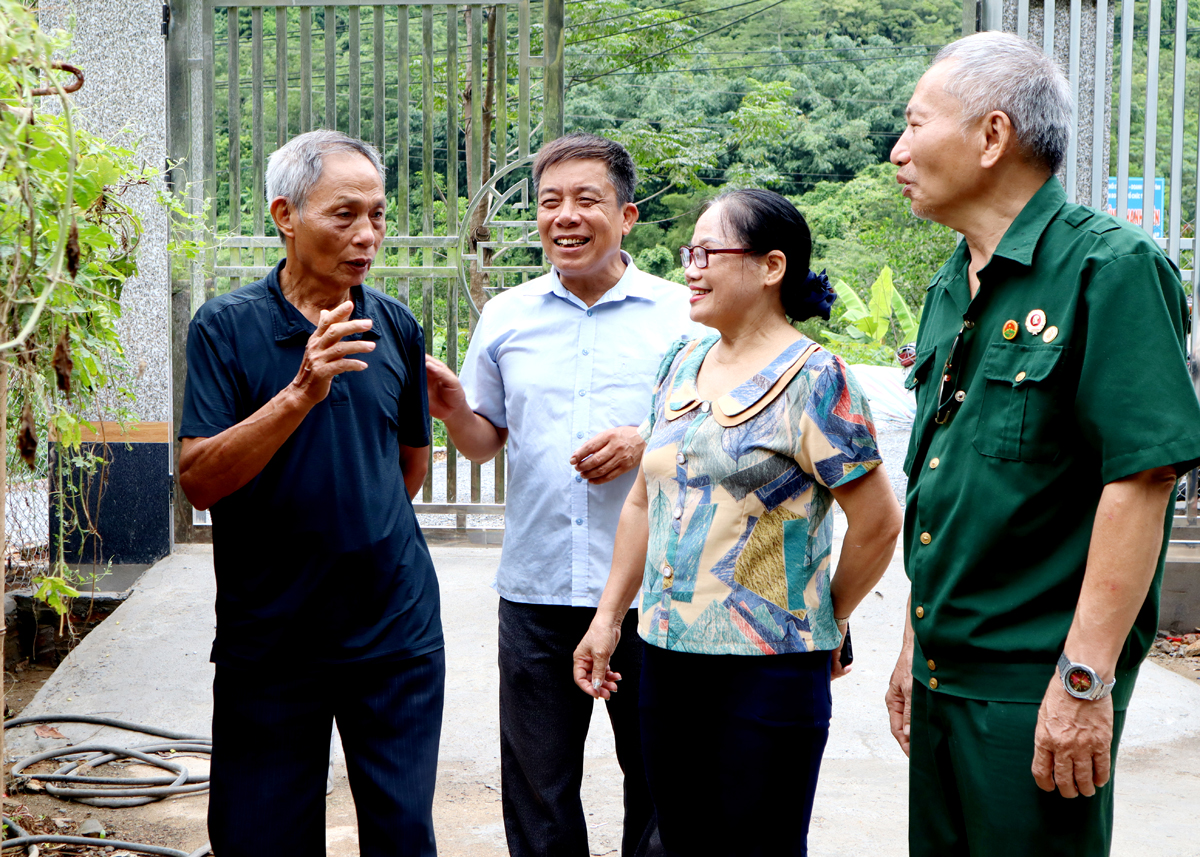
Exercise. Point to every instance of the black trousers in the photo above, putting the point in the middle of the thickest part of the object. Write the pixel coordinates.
(271, 756)
(544, 721)
(733, 747)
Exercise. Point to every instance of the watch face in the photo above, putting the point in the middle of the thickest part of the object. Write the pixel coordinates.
(1080, 681)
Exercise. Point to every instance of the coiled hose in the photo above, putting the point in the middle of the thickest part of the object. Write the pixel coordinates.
(111, 792)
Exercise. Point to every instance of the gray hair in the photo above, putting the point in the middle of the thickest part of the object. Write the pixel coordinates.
(294, 169)
(999, 71)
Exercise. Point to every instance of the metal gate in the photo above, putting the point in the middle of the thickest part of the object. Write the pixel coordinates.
(454, 97)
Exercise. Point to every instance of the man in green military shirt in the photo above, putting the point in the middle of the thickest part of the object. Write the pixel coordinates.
(1054, 412)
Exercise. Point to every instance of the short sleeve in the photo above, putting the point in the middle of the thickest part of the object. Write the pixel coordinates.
(210, 390)
(1135, 404)
(480, 376)
(414, 395)
(836, 439)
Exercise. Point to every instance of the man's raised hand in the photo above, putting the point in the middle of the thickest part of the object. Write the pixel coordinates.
(327, 354)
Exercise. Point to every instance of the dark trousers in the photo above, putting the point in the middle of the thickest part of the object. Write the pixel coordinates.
(544, 719)
(271, 756)
(971, 791)
(733, 748)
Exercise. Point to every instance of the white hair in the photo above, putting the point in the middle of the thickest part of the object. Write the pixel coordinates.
(999, 71)
(294, 169)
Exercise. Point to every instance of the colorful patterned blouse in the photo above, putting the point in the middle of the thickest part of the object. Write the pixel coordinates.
(740, 526)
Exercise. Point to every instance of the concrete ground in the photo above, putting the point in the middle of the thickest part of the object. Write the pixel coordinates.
(148, 663)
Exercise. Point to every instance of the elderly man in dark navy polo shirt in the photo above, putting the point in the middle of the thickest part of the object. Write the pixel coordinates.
(305, 430)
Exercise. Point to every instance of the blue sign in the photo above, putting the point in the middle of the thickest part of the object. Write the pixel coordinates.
(1133, 211)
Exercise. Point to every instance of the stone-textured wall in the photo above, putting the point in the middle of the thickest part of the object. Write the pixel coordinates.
(119, 45)
(1084, 130)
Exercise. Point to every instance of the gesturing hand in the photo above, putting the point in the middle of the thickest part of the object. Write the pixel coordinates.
(326, 354)
(611, 453)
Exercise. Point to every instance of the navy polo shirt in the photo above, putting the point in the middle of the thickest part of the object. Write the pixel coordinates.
(319, 558)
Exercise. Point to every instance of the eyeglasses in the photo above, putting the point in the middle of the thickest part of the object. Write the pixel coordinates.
(699, 255)
(949, 396)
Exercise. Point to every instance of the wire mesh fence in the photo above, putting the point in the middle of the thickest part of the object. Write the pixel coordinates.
(26, 529)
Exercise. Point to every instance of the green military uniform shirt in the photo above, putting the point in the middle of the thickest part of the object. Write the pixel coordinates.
(1072, 375)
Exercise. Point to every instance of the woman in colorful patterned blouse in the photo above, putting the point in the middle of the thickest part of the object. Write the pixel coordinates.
(728, 533)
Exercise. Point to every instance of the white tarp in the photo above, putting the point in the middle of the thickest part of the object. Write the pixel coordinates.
(884, 386)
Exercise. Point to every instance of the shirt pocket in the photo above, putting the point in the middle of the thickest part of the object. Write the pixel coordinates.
(917, 381)
(1021, 416)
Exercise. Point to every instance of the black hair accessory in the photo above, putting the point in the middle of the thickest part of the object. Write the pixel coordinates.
(820, 297)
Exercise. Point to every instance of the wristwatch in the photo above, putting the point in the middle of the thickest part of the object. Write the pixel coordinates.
(1081, 681)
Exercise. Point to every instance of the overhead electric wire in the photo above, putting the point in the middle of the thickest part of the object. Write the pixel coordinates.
(656, 23)
(681, 44)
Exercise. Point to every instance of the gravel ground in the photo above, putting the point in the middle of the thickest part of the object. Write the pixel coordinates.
(893, 446)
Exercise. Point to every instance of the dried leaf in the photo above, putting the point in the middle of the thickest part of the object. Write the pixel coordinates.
(73, 250)
(63, 363)
(27, 437)
(44, 731)
(33, 786)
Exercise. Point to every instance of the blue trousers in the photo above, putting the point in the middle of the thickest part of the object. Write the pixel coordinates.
(544, 721)
(733, 747)
(271, 756)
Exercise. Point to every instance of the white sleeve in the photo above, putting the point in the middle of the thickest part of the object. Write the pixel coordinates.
(480, 375)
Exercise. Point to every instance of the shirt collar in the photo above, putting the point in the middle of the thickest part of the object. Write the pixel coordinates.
(631, 285)
(290, 324)
(1022, 236)
(684, 395)
(1016, 245)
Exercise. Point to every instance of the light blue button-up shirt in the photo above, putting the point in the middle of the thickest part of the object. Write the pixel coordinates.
(556, 372)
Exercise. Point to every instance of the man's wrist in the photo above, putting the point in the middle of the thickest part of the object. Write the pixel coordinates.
(1083, 681)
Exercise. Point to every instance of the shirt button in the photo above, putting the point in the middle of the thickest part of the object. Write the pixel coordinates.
(920, 611)
(931, 665)
(585, 352)
(678, 513)
(704, 406)
(933, 464)
(589, 312)
(578, 434)
(926, 538)
(667, 571)
(680, 458)
(933, 684)
(579, 522)
(583, 392)
(1020, 377)
(578, 478)
(968, 324)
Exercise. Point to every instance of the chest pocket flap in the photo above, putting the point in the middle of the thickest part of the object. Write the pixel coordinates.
(1023, 413)
(1020, 364)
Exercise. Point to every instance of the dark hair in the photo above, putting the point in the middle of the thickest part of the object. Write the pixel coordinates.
(762, 221)
(579, 146)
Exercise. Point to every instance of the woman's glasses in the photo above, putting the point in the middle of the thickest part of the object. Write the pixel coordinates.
(699, 255)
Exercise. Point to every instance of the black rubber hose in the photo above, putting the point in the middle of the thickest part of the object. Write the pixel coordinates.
(24, 840)
(115, 792)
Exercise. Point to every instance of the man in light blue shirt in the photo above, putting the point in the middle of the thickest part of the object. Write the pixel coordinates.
(562, 368)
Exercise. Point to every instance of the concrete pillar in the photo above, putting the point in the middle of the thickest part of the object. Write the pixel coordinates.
(119, 44)
(1091, 185)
